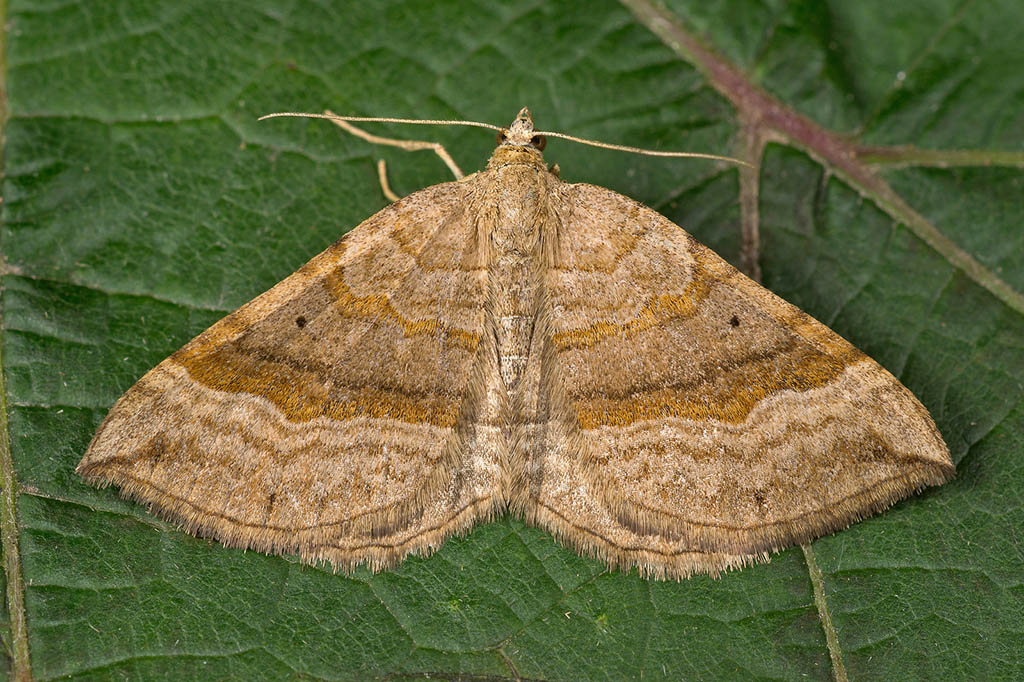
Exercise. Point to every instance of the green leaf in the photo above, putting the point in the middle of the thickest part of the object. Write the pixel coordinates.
(142, 201)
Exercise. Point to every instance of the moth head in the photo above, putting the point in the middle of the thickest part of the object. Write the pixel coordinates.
(521, 134)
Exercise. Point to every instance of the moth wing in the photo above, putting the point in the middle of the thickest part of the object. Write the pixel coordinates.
(331, 415)
(690, 420)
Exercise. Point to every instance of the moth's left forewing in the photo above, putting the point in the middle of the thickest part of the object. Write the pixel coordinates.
(706, 414)
(337, 414)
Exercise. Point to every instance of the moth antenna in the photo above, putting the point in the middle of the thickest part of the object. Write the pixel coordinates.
(382, 119)
(645, 152)
(477, 124)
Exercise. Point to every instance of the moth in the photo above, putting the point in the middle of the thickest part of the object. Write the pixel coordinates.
(512, 343)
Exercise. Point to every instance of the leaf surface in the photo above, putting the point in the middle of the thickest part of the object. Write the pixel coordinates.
(142, 201)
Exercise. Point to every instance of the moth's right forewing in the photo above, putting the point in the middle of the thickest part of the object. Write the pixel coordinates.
(704, 421)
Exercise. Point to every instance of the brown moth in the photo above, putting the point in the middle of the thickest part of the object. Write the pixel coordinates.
(512, 342)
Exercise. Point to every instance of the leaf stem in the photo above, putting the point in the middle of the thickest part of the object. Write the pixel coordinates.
(21, 668)
(831, 637)
(21, 665)
(753, 150)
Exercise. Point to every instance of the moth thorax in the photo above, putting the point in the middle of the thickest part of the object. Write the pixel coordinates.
(515, 242)
(509, 155)
(522, 211)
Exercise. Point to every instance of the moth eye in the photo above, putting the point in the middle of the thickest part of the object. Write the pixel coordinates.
(502, 136)
(539, 141)
(300, 322)
(735, 321)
